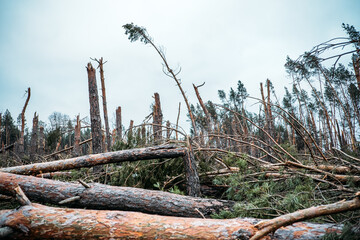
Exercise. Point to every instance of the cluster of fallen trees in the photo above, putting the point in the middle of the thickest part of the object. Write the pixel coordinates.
(125, 212)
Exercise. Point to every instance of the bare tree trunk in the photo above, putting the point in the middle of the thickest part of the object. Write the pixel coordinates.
(168, 132)
(41, 148)
(94, 114)
(21, 140)
(101, 196)
(77, 136)
(191, 174)
(118, 124)
(107, 129)
(206, 112)
(164, 151)
(270, 117)
(34, 138)
(157, 119)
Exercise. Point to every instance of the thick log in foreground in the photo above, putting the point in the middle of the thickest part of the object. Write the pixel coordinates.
(37, 221)
(158, 152)
(100, 196)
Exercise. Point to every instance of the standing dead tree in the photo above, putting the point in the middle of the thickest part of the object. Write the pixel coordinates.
(77, 135)
(94, 113)
(41, 149)
(106, 119)
(157, 119)
(21, 140)
(118, 124)
(34, 138)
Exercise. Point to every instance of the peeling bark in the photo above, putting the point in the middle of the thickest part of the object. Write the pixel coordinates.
(101, 196)
(165, 151)
(37, 221)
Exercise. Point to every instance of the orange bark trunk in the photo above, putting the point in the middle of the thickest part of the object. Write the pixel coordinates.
(37, 221)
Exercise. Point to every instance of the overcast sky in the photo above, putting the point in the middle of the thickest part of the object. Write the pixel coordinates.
(46, 45)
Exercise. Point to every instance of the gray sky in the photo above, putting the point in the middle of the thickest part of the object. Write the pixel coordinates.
(46, 45)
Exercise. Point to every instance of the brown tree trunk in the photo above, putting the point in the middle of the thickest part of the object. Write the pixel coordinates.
(168, 131)
(94, 114)
(107, 129)
(41, 148)
(191, 174)
(118, 124)
(34, 138)
(101, 196)
(21, 140)
(164, 151)
(35, 221)
(130, 132)
(157, 119)
(206, 112)
(77, 136)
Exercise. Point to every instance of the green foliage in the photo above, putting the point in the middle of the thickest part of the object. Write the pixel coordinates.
(52, 138)
(135, 33)
(8, 128)
(266, 198)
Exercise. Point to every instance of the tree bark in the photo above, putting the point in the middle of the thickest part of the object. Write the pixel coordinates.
(107, 129)
(37, 221)
(157, 120)
(191, 174)
(77, 136)
(21, 140)
(118, 124)
(34, 138)
(41, 148)
(101, 196)
(165, 151)
(94, 114)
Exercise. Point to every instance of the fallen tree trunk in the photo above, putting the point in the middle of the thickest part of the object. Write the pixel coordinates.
(100, 196)
(165, 151)
(37, 221)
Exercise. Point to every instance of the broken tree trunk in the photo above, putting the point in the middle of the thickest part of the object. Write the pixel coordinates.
(191, 174)
(94, 114)
(21, 140)
(101, 196)
(102, 78)
(118, 124)
(77, 136)
(34, 138)
(157, 120)
(35, 221)
(41, 148)
(165, 151)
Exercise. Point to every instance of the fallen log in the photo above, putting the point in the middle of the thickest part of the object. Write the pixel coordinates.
(37, 221)
(158, 152)
(100, 196)
(268, 226)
